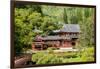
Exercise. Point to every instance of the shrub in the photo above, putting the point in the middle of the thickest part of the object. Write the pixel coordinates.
(87, 54)
(49, 59)
(67, 54)
(42, 58)
(63, 57)
(37, 56)
(50, 50)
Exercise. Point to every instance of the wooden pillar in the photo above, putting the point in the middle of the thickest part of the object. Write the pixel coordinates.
(33, 46)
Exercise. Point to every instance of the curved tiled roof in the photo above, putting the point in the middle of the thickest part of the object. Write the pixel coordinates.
(68, 37)
(69, 28)
(52, 38)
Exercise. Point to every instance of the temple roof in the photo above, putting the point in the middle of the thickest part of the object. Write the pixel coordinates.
(68, 37)
(52, 38)
(69, 28)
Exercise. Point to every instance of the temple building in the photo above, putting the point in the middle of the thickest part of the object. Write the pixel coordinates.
(64, 38)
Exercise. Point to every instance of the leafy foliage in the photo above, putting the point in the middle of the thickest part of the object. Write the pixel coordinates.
(65, 57)
(49, 59)
(37, 56)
